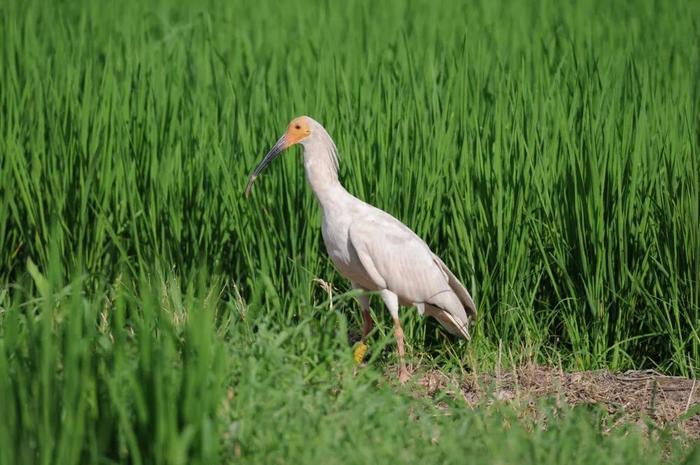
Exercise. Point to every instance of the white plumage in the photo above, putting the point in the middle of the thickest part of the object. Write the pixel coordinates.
(371, 248)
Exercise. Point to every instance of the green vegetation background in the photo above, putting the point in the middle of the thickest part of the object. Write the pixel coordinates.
(149, 313)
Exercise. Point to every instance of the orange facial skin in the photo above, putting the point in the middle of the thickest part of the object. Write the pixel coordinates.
(297, 130)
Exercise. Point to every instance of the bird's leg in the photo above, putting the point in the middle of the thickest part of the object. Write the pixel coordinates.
(391, 301)
(367, 324)
(398, 332)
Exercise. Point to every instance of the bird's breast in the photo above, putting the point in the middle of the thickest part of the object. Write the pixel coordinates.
(336, 239)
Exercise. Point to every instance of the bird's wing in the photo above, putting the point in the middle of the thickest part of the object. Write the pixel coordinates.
(395, 258)
(458, 288)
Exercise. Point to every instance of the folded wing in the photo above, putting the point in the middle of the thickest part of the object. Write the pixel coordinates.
(395, 258)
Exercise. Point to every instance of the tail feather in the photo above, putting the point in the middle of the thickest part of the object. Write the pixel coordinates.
(452, 323)
(458, 288)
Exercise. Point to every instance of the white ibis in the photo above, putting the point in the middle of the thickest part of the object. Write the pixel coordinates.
(371, 248)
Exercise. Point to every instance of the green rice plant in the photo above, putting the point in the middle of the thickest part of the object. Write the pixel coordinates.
(148, 370)
(547, 150)
(127, 373)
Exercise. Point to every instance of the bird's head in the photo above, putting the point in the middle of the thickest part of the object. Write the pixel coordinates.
(298, 131)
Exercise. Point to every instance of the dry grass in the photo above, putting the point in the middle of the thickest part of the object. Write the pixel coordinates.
(633, 396)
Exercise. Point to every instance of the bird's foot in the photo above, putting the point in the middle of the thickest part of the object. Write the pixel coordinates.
(404, 375)
(358, 354)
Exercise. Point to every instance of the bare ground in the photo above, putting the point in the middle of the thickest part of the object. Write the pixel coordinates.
(633, 396)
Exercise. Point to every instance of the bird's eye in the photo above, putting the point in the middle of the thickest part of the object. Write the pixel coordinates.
(297, 127)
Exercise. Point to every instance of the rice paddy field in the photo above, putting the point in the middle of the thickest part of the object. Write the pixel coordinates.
(151, 314)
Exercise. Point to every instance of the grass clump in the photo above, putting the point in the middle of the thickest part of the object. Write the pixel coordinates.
(146, 371)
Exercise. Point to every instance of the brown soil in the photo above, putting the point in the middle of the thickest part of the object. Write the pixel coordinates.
(632, 396)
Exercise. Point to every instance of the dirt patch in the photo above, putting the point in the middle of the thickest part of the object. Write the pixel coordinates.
(630, 396)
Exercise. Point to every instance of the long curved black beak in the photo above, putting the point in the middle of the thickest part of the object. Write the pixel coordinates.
(274, 152)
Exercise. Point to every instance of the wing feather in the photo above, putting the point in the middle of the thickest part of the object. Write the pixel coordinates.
(395, 258)
(458, 288)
